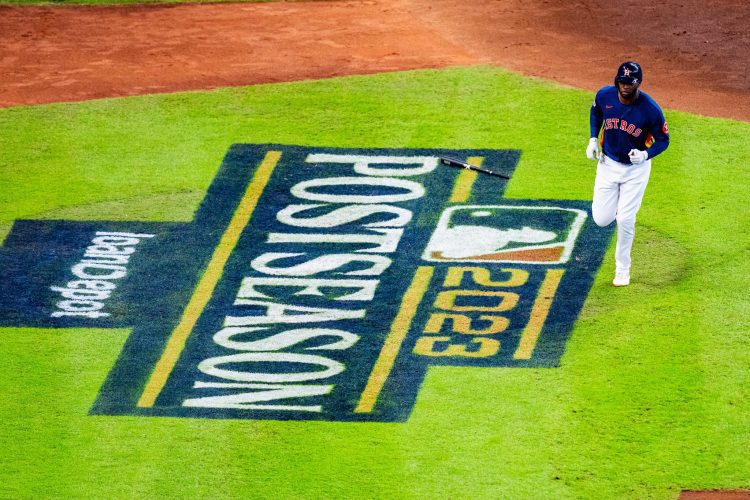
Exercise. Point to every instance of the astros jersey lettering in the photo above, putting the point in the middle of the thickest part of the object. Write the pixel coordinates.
(640, 125)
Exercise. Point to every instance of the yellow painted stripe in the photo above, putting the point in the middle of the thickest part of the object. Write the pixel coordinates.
(209, 280)
(539, 313)
(465, 181)
(399, 329)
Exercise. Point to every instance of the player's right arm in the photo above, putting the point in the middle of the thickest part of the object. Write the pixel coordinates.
(596, 118)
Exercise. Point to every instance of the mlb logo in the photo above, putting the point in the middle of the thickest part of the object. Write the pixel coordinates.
(500, 233)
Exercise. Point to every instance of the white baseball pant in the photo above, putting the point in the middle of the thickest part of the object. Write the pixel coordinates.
(618, 192)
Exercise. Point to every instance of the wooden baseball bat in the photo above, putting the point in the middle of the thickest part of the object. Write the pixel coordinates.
(452, 162)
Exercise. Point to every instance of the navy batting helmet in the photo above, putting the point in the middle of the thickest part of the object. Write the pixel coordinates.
(629, 72)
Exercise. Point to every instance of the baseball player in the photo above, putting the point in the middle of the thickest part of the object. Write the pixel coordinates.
(627, 130)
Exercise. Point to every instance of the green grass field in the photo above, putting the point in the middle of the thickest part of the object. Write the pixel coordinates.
(652, 394)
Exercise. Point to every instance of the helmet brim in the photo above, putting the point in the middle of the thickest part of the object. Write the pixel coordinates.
(627, 79)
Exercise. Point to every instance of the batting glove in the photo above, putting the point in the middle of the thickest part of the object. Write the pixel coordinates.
(637, 156)
(592, 151)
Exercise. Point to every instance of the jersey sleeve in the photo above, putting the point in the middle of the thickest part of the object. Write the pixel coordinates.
(596, 117)
(658, 138)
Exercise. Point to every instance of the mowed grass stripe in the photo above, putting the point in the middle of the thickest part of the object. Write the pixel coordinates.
(465, 181)
(392, 345)
(208, 282)
(539, 313)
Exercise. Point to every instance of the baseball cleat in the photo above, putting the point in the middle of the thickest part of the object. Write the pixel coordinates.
(622, 278)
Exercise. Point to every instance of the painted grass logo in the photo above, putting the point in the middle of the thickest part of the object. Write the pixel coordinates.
(314, 283)
(488, 233)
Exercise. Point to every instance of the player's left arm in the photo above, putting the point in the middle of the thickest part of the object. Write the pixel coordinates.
(658, 140)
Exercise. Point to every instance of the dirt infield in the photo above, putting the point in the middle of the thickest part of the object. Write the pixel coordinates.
(694, 53)
(715, 495)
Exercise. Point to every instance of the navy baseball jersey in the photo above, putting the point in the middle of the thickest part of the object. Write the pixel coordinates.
(622, 127)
